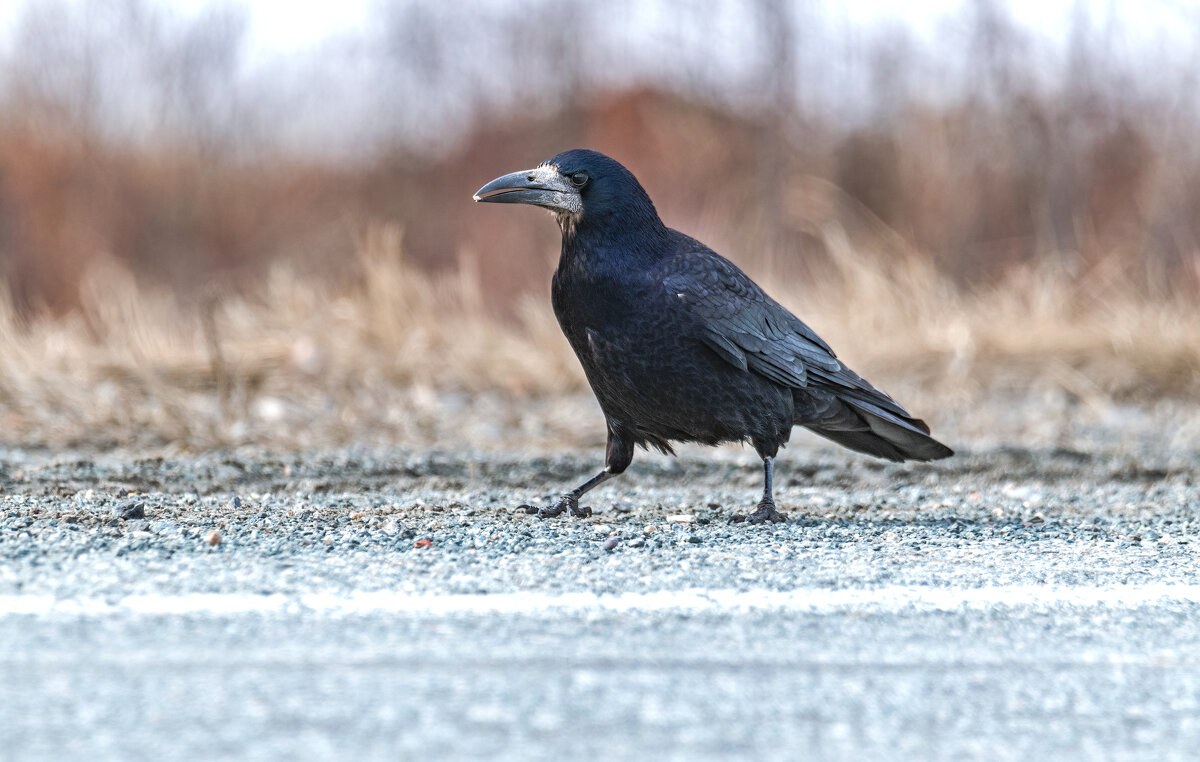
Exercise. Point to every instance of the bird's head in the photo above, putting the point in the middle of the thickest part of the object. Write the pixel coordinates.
(581, 187)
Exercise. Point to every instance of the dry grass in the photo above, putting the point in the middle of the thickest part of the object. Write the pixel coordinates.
(399, 355)
(1098, 336)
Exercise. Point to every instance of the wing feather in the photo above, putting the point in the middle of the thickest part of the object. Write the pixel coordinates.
(743, 325)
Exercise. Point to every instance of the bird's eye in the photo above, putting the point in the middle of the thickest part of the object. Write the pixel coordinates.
(579, 179)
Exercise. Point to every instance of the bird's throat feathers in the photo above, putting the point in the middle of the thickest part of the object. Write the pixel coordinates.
(611, 254)
(621, 239)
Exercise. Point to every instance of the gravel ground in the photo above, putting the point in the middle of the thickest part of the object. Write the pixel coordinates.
(114, 652)
(352, 521)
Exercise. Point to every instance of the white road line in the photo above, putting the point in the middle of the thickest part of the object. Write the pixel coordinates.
(880, 599)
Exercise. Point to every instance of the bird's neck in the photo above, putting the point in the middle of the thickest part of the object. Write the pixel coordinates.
(618, 242)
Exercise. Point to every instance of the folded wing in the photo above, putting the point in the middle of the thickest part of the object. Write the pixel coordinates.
(750, 330)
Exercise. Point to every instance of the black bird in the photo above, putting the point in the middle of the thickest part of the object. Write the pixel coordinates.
(679, 345)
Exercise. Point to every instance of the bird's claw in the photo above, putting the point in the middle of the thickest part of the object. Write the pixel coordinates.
(568, 503)
(766, 512)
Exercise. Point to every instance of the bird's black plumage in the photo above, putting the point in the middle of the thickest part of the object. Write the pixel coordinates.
(679, 345)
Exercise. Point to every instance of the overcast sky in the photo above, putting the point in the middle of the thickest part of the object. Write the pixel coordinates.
(336, 102)
(280, 27)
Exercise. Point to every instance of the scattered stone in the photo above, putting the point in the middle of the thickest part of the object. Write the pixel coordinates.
(694, 539)
(682, 518)
(131, 510)
(611, 544)
(424, 542)
(213, 538)
(237, 503)
(623, 507)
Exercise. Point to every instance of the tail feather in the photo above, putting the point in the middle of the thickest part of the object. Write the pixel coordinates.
(865, 427)
(864, 442)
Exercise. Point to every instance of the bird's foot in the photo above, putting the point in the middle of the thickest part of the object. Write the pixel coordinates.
(568, 503)
(766, 512)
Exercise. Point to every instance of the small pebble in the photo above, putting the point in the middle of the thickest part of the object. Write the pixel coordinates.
(623, 507)
(237, 503)
(682, 518)
(214, 538)
(611, 543)
(131, 510)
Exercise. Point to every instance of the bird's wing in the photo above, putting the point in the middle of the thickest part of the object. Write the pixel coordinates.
(738, 321)
(743, 325)
(749, 329)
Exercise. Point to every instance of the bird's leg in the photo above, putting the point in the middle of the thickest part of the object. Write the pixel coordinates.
(766, 510)
(617, 456)
(570, 501)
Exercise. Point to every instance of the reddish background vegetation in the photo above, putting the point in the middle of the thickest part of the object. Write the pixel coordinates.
(975, 190)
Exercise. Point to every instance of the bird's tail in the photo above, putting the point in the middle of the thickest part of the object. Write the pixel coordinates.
(874, 424)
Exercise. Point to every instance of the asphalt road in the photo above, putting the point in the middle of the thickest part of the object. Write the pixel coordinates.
(1008, 604)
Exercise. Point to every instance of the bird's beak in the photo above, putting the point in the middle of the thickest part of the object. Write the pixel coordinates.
(541, 186)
